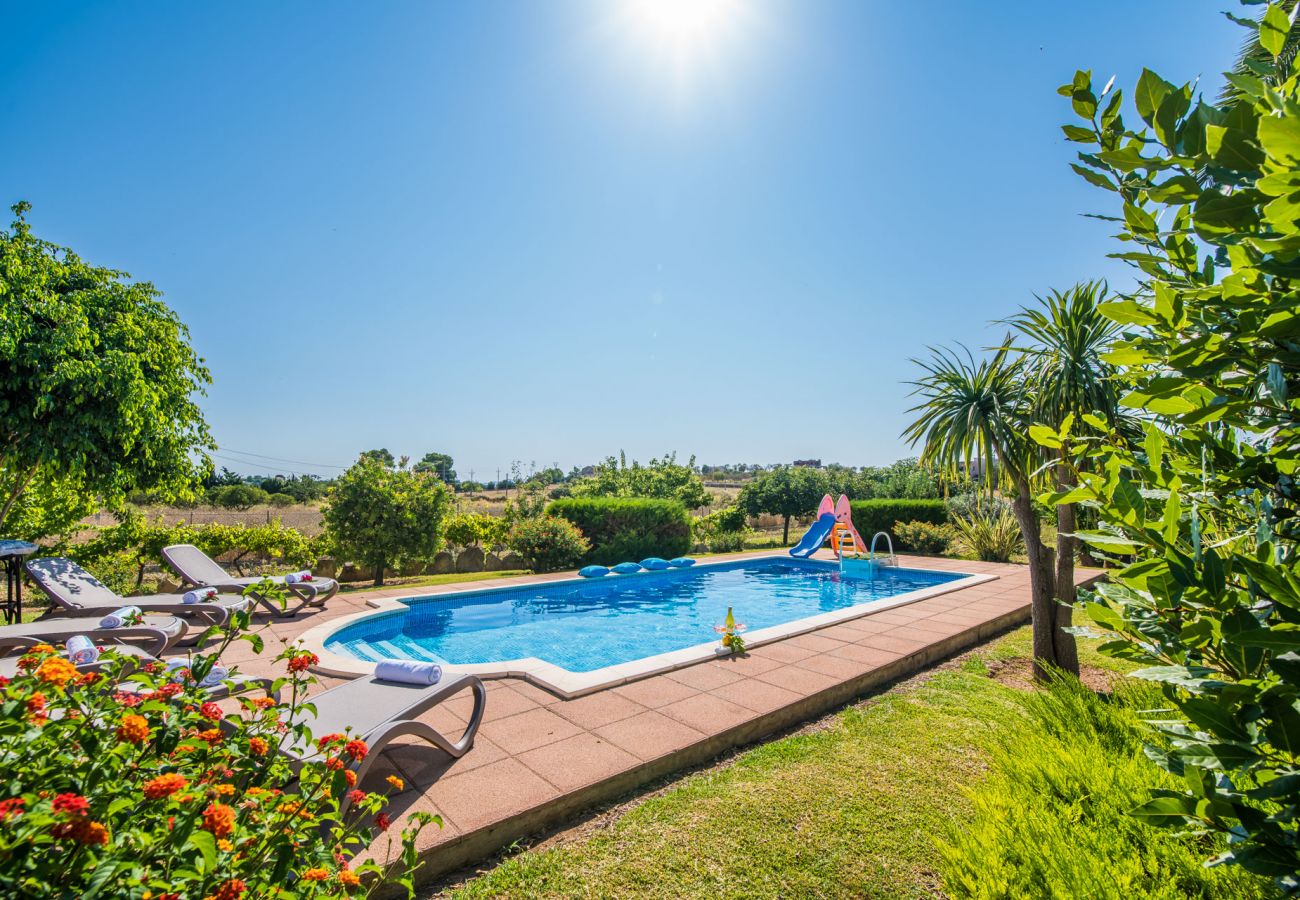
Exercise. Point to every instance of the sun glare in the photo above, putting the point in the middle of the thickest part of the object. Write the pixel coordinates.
(684, 25)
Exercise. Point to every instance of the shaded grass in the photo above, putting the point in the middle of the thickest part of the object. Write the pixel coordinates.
(851, 809)
(430, 580)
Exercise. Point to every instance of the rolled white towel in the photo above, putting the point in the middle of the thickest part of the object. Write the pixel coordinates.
(119, 617)
(408, 671)
(199, 595)
(218, 674)
(81, 650)
(179, 668)
(295, 577)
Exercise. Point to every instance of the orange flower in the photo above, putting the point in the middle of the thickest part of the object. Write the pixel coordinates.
(230, 890)
(315, 874)
(350, 777)
(42, 650)
(36, 706)
(213, 736)
(348, 878)
(397, 783)
(134, 729)
(83, 831)
(164, 785)
(219, 819)
(224, 790)
(263, 702)
(56, 670)
(257, 746)
(225, 845)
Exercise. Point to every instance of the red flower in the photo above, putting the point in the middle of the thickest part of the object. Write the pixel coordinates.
(355, 796)
(329, 739)
(11, 808)
(301, 662)
(230, 890)
(83, 831)
(71, 804)
(211, 712)
(36, 706)
(356, 749)
(382, 821)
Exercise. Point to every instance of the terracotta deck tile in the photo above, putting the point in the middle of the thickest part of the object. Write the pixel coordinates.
(870, 655)
(526, 730)
(490, 793)
(580, 760)
(703, 677)
(893, 642)
(818, 642)
(422, 765)
(801, 681)
(855, 628)
(756, 695)
(650, 735)
(840, 668)
(655, 691)
(782, 651)
(707, 713)
(538, 695)
(745, 665)
(598, 709)
(900, 616)
(502, 701)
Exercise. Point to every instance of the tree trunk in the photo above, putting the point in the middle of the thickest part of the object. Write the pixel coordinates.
(1067, 649)
(1042, 578)
(785, 535)
(379, 571)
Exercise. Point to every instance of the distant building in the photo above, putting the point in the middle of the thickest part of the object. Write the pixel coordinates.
(808, 463)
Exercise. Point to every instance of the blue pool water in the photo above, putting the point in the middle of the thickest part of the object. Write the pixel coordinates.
(582, 626)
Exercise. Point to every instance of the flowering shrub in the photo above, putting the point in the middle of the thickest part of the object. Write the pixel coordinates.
(133, 783)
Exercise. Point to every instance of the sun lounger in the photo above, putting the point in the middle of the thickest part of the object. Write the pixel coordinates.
(200, 570)
(78, 593)
(155, 634)
(380, 712)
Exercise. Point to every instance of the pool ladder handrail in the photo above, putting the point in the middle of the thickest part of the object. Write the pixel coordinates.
(892, 559)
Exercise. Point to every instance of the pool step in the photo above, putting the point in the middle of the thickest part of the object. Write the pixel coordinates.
(402, 647)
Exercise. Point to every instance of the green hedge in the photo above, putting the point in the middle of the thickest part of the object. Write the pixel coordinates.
(622, 529)
(871, 516)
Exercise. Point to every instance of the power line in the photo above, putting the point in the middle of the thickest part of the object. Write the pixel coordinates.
(281, 459)
(276, 470)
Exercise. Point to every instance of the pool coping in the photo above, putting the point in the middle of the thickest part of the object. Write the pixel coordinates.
(567, 684)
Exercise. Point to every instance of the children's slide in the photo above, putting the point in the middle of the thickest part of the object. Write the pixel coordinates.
(829, 514)
(814, 537)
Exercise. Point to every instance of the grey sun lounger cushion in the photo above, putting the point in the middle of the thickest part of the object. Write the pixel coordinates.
(154, 635)
(78, 593)
(379, 712)
(200, 570)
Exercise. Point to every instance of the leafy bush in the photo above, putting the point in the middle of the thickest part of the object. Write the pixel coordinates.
(976, 504)
(924, 537)
(660, 479)
(995, 539)
(726, 542)
(628, 529)
(548, 543)
(382, 516)
(1052, 819)
(163, 793)
(476, 529)
(281, 500)
(118, 555)
(237, 496)
(871, 516)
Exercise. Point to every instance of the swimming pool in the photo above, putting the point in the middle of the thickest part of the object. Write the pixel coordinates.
(611, 628)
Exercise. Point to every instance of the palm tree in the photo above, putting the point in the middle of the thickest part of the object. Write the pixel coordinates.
(981, 411)
(978, 411)
(1066, 335)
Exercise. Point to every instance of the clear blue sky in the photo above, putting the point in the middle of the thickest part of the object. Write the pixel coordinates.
(550, 230)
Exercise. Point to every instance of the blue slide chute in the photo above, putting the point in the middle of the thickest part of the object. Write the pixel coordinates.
(814, 537)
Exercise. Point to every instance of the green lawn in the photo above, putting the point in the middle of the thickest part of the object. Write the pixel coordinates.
(849, 808)
(430, 580)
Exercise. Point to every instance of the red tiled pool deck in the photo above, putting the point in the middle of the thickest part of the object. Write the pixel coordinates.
(539, 760)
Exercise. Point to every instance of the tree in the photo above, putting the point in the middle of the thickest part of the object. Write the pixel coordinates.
(97, 388)
(382, 454)
(659, 479)
(1203, 514)
(238, 496)
(439, 464)
(784, 491)
(381, 516)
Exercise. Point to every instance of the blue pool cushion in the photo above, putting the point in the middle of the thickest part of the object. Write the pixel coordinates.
(593, 571)
(626, 568)
(681, 562)
(654, 563)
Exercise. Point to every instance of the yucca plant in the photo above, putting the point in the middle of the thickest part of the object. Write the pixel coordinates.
(991, 538)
